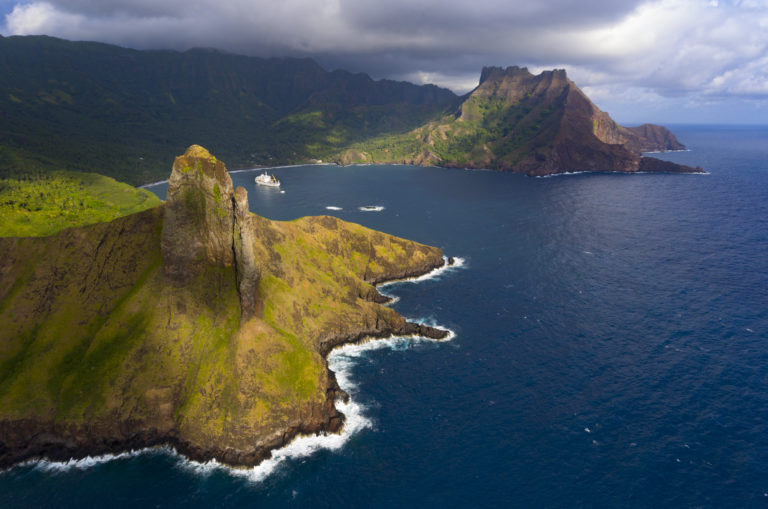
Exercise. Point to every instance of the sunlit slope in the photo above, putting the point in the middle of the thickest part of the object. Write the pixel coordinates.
(516, 121)
(40, 204)
(103, 347)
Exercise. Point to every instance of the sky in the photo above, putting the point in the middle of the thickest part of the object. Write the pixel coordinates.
(664, 61)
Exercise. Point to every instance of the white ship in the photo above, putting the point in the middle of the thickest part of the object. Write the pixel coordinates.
(267, 180)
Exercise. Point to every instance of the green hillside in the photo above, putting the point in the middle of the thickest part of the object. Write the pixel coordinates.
(124, 113)
(143, 330)
(517, 121)
(40, 204)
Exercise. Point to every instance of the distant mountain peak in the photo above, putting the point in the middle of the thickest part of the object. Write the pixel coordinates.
(537, 124)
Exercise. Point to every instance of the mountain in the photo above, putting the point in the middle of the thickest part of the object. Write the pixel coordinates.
(124, 113)
(95, 107)
(533, 124)
(195, 324)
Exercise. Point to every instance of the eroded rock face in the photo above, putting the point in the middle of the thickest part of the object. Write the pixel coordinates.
(247, 270)
(199, 215)
(207, 223)
(655, 138)
(534, 124)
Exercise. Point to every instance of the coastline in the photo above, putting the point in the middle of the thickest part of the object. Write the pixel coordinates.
(467, 168)
(243, 170)
(61, 449)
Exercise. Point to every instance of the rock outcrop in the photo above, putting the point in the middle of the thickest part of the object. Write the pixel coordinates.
(207, 223)
(199, 215)
(245, 260)
(533, 124)
(655, 138)
(195, 324)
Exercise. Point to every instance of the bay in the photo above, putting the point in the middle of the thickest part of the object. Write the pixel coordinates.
(611, 347)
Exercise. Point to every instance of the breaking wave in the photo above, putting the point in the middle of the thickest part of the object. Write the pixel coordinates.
(341, 361)
(445, 268)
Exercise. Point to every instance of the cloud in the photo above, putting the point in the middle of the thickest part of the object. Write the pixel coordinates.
(708, 49)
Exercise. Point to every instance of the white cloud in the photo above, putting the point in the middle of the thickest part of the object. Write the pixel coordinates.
(664, 48)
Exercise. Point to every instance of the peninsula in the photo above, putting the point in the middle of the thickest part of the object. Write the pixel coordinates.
(194, 323)
(533, 124)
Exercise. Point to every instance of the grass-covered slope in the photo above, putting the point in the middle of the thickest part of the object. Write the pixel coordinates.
(40, 204)
(125, 113)
(102, 348)
(517, 121)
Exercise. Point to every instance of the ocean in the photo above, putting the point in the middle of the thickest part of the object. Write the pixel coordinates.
(610, 348)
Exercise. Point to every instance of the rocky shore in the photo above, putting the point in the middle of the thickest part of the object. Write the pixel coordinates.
(27, 439)
(196, 325)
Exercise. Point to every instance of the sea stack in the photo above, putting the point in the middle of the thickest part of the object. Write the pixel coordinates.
(207, 223)
(195, 324)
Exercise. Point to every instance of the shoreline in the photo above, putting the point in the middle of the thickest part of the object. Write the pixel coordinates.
(243, 170)
(63, 453)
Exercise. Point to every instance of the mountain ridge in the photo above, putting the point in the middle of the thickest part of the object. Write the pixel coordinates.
(97, 107)
(121, 112)
(525, 123)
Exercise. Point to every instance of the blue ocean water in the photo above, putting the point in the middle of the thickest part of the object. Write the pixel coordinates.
(611, 347)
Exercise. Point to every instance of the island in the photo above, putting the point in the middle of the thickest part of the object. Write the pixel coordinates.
(195, 324)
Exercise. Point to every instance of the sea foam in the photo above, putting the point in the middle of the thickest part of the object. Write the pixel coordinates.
(458, 263)
(45, 465)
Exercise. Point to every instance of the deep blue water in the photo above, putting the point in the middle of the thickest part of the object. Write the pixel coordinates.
(611, 348)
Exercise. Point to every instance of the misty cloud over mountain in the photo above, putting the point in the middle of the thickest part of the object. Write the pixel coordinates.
(633, 50)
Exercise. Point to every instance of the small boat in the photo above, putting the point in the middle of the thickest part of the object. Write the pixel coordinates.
(267, 180)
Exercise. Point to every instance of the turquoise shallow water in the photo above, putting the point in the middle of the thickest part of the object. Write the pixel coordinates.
(611, 347)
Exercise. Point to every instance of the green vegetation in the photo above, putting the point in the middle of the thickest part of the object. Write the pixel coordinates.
(41, 204)
(488, 132)
(101, 342)
(126, 113)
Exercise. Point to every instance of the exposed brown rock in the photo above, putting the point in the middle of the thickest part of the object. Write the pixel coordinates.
(199, 215)
(152, 331)
(246, 267)
(655, 138)
(533, 124)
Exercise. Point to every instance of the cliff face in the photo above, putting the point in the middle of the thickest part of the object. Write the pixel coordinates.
(195, 324)
(207, 223)
(655, 138)
(199, 215)
(534, 124)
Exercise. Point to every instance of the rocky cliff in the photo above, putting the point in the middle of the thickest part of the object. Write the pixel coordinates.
(655, 138)
(521, 122)
(196, 324)
(207, 223)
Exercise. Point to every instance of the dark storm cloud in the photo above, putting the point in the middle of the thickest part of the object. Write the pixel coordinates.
(436, 15)
(669, 47)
